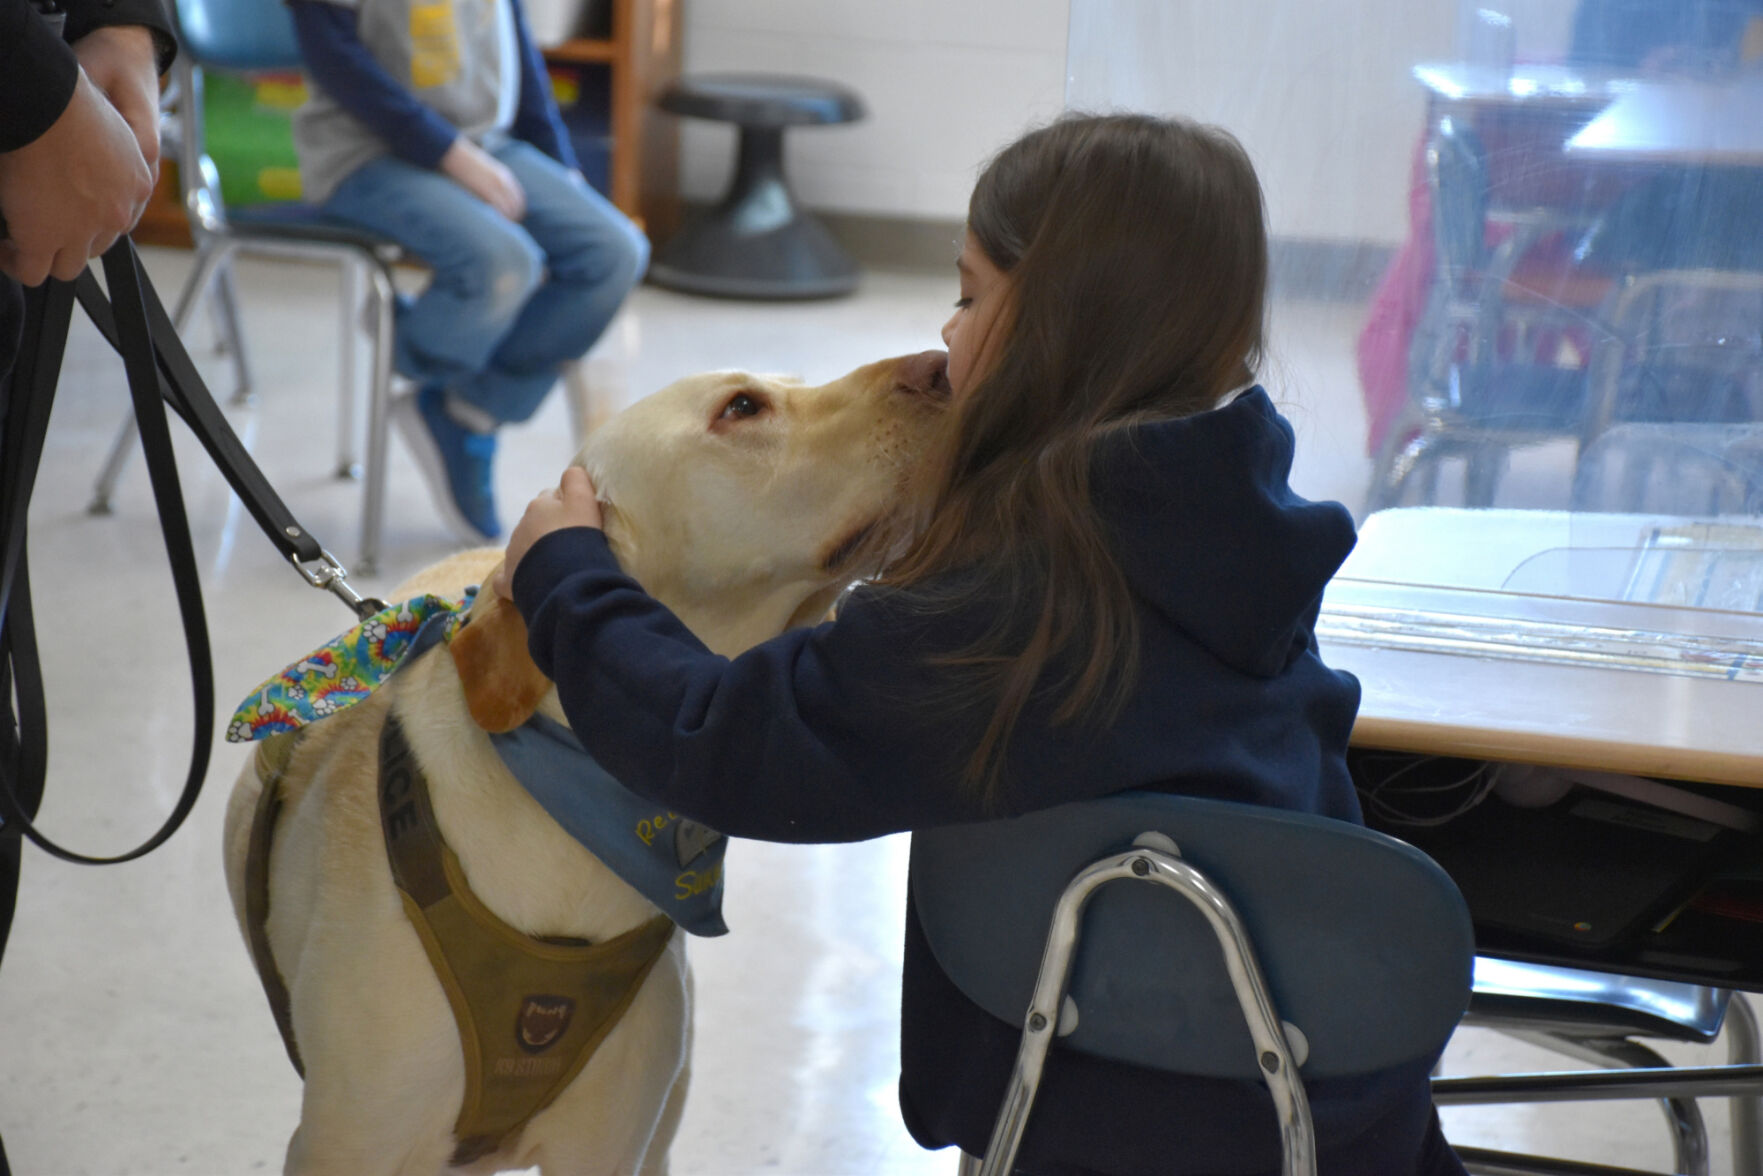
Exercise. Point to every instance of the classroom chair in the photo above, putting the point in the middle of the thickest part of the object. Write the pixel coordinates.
(1270, 946)
(1497, 361)
(1682, 346)
(256, 36)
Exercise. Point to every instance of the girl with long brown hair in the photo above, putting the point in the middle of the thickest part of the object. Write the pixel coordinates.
(1111, 586)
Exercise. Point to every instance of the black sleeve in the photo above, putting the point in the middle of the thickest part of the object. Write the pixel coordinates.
(37, 74)
(38, 70)
(85, 15)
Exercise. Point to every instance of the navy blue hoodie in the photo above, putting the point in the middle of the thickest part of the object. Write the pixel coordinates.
(836, 733)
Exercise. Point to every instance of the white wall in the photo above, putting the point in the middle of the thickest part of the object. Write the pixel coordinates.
(1320, 91)
(947, 83)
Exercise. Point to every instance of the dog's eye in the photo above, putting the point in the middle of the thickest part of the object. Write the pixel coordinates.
(742, 404)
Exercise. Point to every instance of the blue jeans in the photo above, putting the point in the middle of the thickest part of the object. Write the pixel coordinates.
(508, 304)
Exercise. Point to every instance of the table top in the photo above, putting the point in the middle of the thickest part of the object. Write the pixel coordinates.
(1679, 121)
(1526, 84)
(1566, 640)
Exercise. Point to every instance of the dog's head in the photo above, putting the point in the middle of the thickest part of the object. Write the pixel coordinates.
(742, 502)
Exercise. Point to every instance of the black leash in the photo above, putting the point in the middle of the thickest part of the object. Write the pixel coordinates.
(159, 372)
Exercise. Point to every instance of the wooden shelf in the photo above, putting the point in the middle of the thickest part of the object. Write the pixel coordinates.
(582, 52)
(163, 222)
(642, 58)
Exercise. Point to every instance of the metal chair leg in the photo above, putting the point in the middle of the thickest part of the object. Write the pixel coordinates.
(1747, 1112)
(1683, 1116)
(1266, 1030)
(208, 264)
(968, 1166)
(105, 487)
(1660, 1082)
(1481, 476)
(1396, 462)
(373, 496)
(224, 298)
(348, 326)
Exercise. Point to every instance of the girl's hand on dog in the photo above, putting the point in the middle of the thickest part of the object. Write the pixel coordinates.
(573, 504)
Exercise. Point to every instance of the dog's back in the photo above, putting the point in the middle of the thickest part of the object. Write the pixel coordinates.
(384, 1063)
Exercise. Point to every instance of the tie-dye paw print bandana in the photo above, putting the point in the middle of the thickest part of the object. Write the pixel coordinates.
(348, 669)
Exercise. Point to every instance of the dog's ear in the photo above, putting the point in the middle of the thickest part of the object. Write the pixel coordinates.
(502, 685)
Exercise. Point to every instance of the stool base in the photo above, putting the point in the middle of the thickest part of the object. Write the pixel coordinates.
(713, 256)
(758, 243)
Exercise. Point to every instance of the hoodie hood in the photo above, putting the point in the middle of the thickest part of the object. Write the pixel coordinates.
(1210, 535)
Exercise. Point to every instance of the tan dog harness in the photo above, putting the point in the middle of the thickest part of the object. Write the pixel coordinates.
(531, 1012)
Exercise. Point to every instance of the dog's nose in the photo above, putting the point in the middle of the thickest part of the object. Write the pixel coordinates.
(926, 373)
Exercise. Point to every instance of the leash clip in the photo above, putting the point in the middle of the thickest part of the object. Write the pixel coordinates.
(333, 577)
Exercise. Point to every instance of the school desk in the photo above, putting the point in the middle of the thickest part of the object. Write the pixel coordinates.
(1628, 644)
(1679, 121)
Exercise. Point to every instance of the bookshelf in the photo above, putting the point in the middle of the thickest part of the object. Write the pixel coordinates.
(619, 78)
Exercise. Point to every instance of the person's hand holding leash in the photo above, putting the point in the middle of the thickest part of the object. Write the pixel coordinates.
(574, 503)
(71, 192)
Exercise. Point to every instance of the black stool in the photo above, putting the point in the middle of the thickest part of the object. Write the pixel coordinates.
(758, 243)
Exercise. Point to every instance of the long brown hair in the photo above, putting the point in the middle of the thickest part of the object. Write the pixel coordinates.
(1136, 255)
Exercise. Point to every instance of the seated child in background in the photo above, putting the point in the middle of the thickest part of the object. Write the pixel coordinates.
(432, 124)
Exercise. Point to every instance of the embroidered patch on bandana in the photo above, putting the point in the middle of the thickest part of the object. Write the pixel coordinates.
(346, 670)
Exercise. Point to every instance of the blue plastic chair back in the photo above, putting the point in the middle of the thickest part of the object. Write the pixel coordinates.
(1365, 941)
(243, 35)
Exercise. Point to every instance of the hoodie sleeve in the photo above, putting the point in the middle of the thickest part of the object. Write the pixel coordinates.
(83, 16)
(820, 734)
(38, 69)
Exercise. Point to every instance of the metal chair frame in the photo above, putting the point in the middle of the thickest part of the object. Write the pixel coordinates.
(1279, 1070)
(366, 271)
(1310, 970)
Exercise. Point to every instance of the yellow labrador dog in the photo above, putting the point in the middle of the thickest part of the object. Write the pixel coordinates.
(744, 503)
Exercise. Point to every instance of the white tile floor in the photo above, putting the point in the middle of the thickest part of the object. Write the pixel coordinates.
(133, 1036)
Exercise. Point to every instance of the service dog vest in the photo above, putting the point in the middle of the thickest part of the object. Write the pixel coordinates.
(531, 1012)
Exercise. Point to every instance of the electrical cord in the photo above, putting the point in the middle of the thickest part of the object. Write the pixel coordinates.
(1411, 795)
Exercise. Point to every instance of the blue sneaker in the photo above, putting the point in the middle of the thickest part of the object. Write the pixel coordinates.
(455, 460)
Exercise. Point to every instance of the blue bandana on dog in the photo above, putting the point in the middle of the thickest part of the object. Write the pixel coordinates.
(673, 862)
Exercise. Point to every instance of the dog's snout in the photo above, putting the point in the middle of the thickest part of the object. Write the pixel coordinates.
(926, 373)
